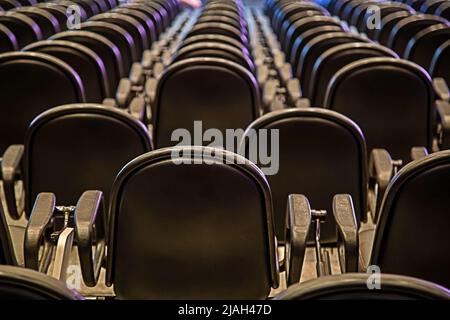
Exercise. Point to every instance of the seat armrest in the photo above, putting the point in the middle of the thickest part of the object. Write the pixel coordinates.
(90, 226)
(150, 89)
(137, 108)
(441, 89)
(147, 60)
(344, 215)
(381, 171)
(443, 108)
(137, 74)
(11, 164)
(123, 95)
(418, 153)
(110, 102)
(40, 220)
(297, 231)
(293, 90)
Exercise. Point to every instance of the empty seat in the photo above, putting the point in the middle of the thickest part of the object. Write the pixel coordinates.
(335, 58)
(354, 286)
(24, 28)
(8, 41)
(107, 50)
(47, 82)
(422, 46)
(215, 50)
(48, 23)
(406, 29)
(86, 62)
(215, 231)
(321, 154)
(102, 141)
(416, 203)
(440, 65)
(390, 99)
(220, 93)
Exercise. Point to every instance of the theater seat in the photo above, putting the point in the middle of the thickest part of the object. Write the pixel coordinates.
(353, 286)
(221, 93)
(411, 236)
(212, 231)
(31, 83)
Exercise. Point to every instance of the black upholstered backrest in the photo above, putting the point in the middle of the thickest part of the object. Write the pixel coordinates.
(220, 93)
(407, 28)
(8, 41)
(422, 47)
(74, 148)
(335, 58)
(182, 231)
(31, 83)
(412, 236)
(390, 99)
(86, 62)
(26, 284)
(23, 27)
(215, 50)
(353, 286)
(117, 35)
(440, 65)
(105, 49)
(321, 154)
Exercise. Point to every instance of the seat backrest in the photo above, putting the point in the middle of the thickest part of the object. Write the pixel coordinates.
(412, 235)
(151, 12)
(220, 93)
(117, 35)
(216, 39)
(303, 25)
(105, 49)
(406, 29)
(48, 24)
(215, 50)
(315, 47)
(25, 284)
(353, 286)
(422, 47)
(31, 83)
(86, 62)
(144, 18)
(390, 99)
(440, 65)
(8, 41)
(332, 60)
(86, 144)
(226, 251)
(132, 25)
(303, 38)
(386, 25)
(321, 154)
(218, 28)
(23, 27)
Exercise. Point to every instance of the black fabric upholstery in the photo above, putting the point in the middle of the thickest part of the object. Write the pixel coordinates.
(212, 230)
(411, 237)
(321, 154)
(101, 141)
(369, 90)
(47, 81)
